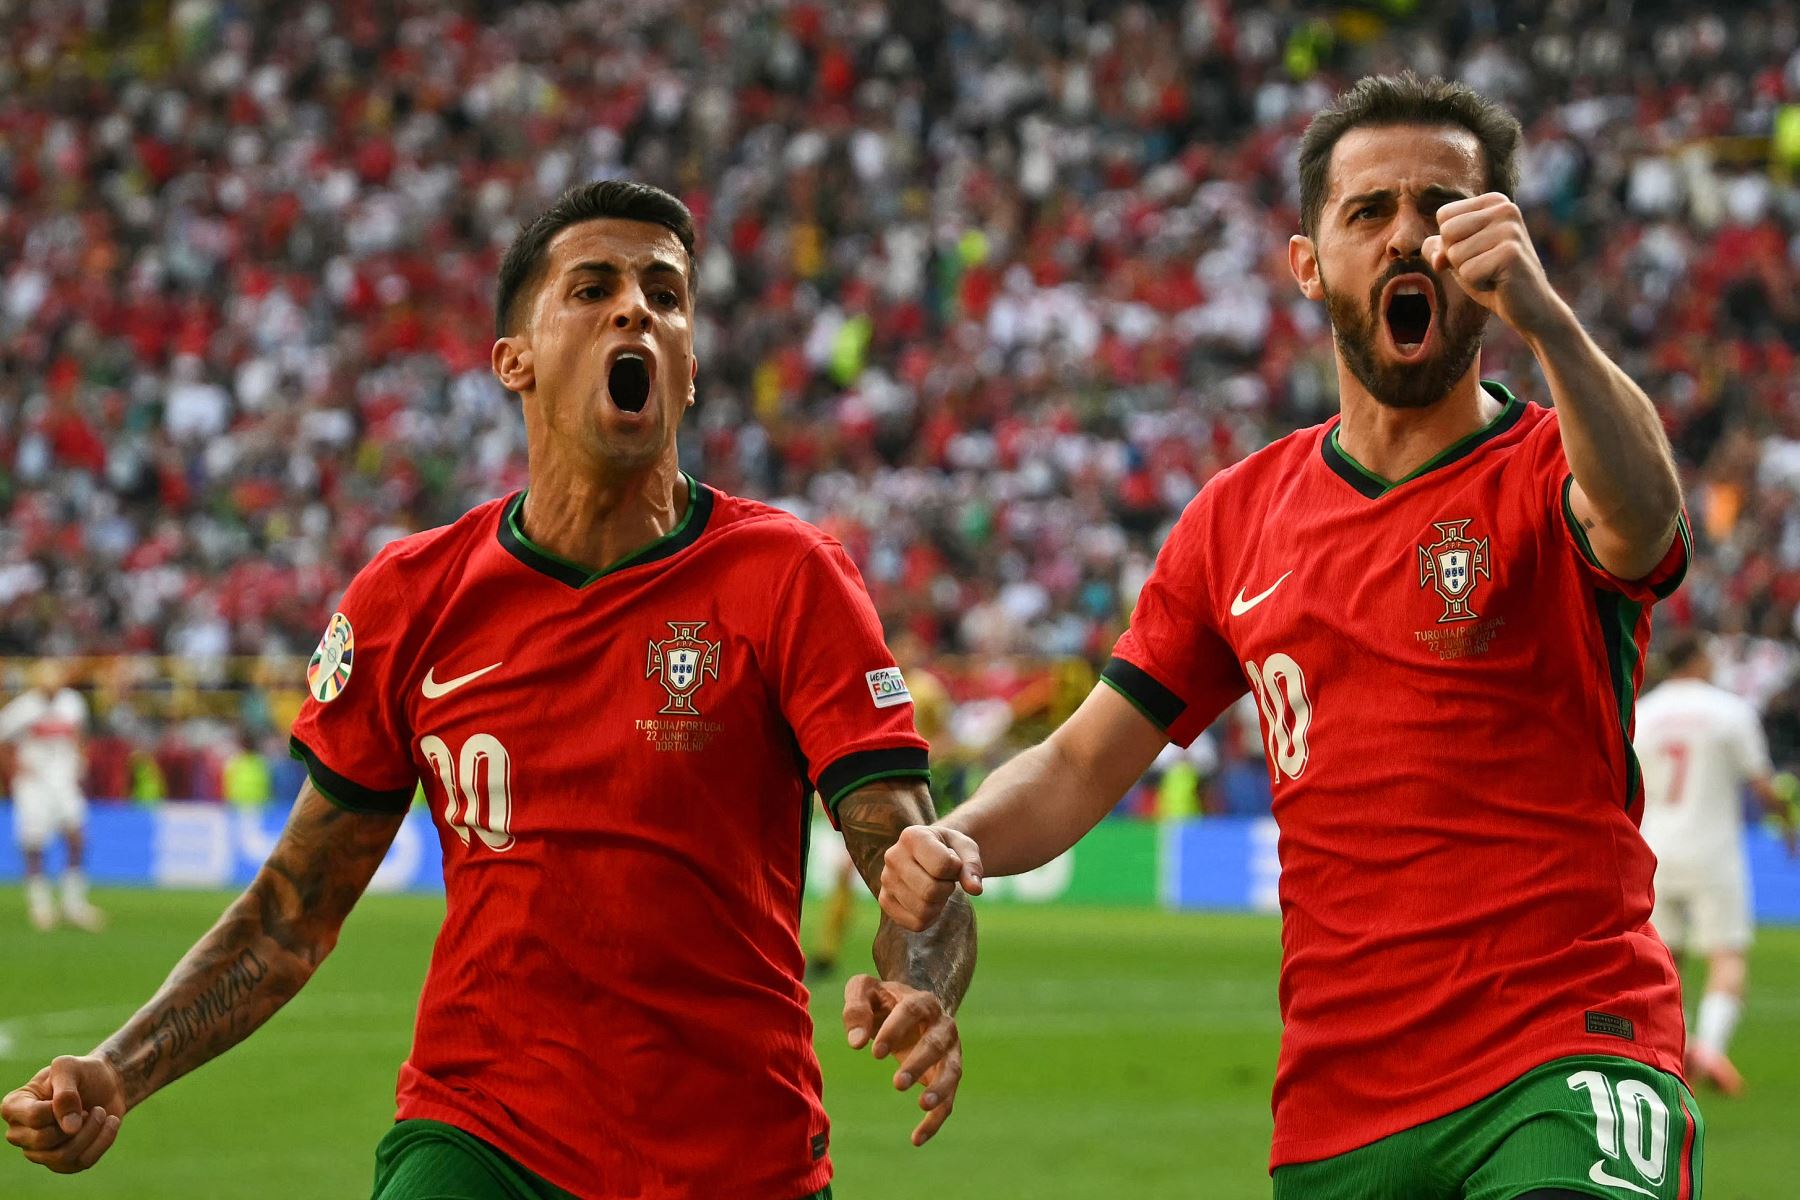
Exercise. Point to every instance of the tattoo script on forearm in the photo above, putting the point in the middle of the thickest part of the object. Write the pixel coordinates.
(260, 952)
(941, 959)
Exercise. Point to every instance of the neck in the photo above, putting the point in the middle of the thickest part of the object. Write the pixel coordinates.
(1395, 442)
(595, 520)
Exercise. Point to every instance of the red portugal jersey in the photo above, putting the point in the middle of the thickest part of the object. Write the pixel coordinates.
(1446, 679)
(619, 767)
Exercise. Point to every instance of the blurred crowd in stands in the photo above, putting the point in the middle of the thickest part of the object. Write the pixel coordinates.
(988, 289)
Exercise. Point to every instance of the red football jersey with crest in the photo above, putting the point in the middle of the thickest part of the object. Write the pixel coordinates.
(1446, 679)
(619, 766)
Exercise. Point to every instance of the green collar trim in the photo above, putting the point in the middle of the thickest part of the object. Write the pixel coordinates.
(1373, 486)
(686, 533)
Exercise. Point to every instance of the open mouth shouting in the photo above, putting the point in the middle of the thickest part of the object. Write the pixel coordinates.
(1409, 310)
(630, 374)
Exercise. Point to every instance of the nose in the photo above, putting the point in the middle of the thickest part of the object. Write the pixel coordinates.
(1406, 238)
(631, 309)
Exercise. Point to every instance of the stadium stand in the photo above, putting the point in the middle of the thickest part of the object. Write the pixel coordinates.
(989, 289)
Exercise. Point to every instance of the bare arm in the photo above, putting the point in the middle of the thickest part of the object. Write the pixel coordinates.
(1024, 814)
(924, 975)
(1046, 799)
(940, 960)
(1626, 495)
(262, 951)
(1778, 805)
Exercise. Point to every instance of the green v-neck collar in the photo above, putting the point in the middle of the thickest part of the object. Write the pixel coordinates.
(1373, 486)
(686, 533)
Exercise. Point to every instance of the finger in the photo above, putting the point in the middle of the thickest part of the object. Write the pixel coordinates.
(933, 855)
(1455, 227)
(970, 853)
(941, 1084)
(918, 1008)
(24, 1107)
(1479, 243)
(1432, 251)
(920, 901)
(913, 900)
(39, 1138)
(93, 1123)
(65, 1095)
(1484, 272)
(938, 1041)
(934, 1121)
(899, 911)
(1469, 204)
(859, 1009)
(109, 1133)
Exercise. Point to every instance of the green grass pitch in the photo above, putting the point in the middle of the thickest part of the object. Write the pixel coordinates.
(1110, 1053)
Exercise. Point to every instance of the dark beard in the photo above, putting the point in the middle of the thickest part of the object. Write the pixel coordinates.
(1355, 328)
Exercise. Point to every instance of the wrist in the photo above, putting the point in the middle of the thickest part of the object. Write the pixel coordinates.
(114, 1063)
(1551, 328)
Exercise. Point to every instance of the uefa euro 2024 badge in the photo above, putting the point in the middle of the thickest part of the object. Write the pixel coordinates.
(329, 669)
(683, 661)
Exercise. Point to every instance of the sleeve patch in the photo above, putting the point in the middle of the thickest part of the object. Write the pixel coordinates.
(887, 687)
(328, 672)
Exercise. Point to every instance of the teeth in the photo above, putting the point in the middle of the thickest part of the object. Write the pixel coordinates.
(1409, 289)
(632, 355)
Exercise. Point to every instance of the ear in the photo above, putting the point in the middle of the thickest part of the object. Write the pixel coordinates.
(1303, 261)
(513, 364)
(693, 374)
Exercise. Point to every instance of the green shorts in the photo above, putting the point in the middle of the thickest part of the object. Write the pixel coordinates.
(429, 1160)
(1593, 1125)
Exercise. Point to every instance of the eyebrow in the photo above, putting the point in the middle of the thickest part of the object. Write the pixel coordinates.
(1435, 191)
(656, 266)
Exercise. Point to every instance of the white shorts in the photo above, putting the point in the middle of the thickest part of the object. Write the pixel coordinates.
(40, 812)
(1704, 911)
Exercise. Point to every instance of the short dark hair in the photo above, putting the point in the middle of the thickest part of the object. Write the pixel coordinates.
(623, 199)
(1683, 649)
(1405, 99)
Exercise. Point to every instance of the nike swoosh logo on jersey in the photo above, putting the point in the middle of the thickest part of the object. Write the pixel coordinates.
(433, 689)
(1600, 1175)
(1240, 606)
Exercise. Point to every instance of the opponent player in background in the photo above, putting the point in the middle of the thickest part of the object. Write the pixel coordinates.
(1440, 601)
(616, 686)
(43, 728)
(1701, 746)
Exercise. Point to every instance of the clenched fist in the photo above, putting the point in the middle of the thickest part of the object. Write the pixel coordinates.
(1483, 243)
(68, 1115)
(921, 871)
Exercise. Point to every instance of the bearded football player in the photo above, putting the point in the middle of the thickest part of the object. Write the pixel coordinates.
(619, 688)
(1440, 601)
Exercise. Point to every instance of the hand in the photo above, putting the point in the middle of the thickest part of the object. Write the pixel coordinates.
(921, 870)
(1483, 243)
(914, 1023)
(68, 1115)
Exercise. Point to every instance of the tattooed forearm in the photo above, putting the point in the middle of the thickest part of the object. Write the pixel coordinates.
(262, 950)
(940, 960)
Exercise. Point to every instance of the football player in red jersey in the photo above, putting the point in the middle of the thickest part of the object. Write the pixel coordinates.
(1440, 601)
(619, 688)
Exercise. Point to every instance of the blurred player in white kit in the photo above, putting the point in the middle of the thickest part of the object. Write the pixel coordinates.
(43, 728)
(1700, 746)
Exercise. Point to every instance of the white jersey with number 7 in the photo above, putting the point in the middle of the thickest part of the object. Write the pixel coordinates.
(1697, 744)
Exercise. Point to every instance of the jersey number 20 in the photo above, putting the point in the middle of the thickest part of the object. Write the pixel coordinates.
(478, 787)
(1287, 712)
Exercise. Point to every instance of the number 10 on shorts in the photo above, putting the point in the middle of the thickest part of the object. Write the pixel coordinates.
(1631, 1117)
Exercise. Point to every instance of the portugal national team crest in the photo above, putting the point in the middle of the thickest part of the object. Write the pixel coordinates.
(1451, 565)
(684, 661)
